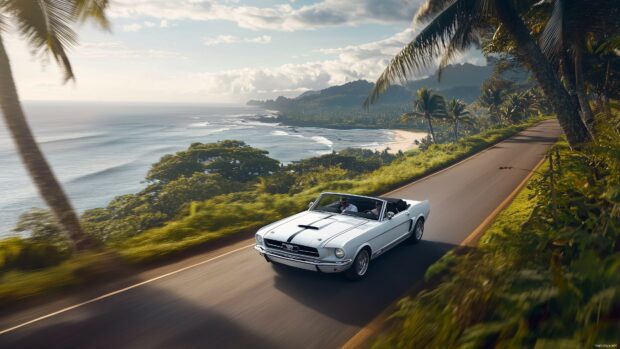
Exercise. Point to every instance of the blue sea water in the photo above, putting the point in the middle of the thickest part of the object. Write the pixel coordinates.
(101, 150)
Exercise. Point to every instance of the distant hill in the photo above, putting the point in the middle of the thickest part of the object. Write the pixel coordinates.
(341, 106)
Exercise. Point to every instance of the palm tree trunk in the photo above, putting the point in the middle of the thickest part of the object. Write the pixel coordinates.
(456, 130)
(32, 157)
(586, 112)
(569, 77)
(567, 113)
(430, 127)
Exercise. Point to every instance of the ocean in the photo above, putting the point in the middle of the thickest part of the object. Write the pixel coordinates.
(102, 150)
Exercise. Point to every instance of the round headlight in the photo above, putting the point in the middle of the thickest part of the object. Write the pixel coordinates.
(339, 252)
(259, 239)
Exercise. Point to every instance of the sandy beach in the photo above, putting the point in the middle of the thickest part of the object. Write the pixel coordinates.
(401, 141)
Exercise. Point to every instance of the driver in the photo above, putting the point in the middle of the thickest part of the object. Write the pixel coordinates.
(377, 208)
(345, 206)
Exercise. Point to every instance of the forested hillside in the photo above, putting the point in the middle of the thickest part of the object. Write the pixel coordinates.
(341, 106)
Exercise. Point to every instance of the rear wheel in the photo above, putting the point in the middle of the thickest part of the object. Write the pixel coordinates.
(360, 266)
(417, 232)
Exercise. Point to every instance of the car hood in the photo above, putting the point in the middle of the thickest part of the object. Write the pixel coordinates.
(311, 228)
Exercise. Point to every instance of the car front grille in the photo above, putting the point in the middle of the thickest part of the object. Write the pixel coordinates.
(292, 248)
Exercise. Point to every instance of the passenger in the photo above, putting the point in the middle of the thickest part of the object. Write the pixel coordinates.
(345, 206)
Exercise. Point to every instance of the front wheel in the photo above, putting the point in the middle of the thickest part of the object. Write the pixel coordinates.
(359, 267)
(417, 232)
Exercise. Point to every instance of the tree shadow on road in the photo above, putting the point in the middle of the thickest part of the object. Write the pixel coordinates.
(146, 317)
(356, 303)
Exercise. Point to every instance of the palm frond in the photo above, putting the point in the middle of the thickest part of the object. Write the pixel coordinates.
(430, 8)
(420, 54)
(406, 117)
(552, 37)
(92, 9)
(466, 35)
(45, 25)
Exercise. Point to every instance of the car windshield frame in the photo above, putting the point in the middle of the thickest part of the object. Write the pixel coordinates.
(316, 208)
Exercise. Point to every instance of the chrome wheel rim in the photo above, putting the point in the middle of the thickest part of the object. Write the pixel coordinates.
(419, 230)
(361, 264)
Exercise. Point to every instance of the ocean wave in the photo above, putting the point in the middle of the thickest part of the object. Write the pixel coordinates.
(256, 123)
(279, 133)
(73, 137)
(218, 130)
(323, 140)
(372, 145)
(103, 172)
(199, 124)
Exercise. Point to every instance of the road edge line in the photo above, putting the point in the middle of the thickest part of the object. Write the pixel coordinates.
(369, 329)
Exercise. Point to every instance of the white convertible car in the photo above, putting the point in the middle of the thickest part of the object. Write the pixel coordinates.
(342, 233)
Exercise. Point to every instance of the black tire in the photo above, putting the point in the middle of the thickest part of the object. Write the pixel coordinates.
(417, 232)
(360, 265)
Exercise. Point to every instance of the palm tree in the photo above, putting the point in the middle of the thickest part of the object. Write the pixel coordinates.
(457, 113)
(492, 99)
(564, 40)
(459, 24)
(429, 105)
(45, 25)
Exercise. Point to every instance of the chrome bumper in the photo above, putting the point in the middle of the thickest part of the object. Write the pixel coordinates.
(304, 263)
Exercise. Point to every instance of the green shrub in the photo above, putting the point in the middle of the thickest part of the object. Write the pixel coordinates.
(27, 254)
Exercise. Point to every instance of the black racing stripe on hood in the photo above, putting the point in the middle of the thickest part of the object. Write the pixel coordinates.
(290, 238)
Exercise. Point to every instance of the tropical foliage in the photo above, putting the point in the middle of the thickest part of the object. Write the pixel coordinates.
(428, 106)
(458, 115)
(547, 272)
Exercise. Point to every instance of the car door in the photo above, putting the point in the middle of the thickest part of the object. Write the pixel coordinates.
(393, 229)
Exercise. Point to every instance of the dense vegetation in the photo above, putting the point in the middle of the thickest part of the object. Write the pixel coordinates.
(547, 272)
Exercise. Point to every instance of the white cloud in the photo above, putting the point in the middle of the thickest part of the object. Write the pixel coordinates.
(230, 39)
(350, 63)
(115, 49)
(163, 23)
(278, 17)
(133, 27)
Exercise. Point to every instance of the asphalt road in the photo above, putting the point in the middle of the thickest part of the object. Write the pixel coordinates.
(239, 301)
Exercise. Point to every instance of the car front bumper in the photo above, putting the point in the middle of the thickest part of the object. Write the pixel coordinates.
(304, 263)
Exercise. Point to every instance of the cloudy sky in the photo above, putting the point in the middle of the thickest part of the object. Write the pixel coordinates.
(224, 51)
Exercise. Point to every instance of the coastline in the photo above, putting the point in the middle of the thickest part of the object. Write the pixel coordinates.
(284, 121)
(401, 141)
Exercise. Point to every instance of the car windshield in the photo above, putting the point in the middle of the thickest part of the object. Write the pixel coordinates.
(350, 205)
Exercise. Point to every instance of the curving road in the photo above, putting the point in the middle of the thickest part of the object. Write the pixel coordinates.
(232, 298)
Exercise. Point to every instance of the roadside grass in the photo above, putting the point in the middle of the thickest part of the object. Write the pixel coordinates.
(540, 277)
(80, 269)
(518, 212)
(239, 212)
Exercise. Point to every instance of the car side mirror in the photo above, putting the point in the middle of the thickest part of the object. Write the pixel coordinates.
(310, 204)
(390, 214)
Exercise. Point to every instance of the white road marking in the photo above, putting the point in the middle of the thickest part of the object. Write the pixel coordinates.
(107, 295)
